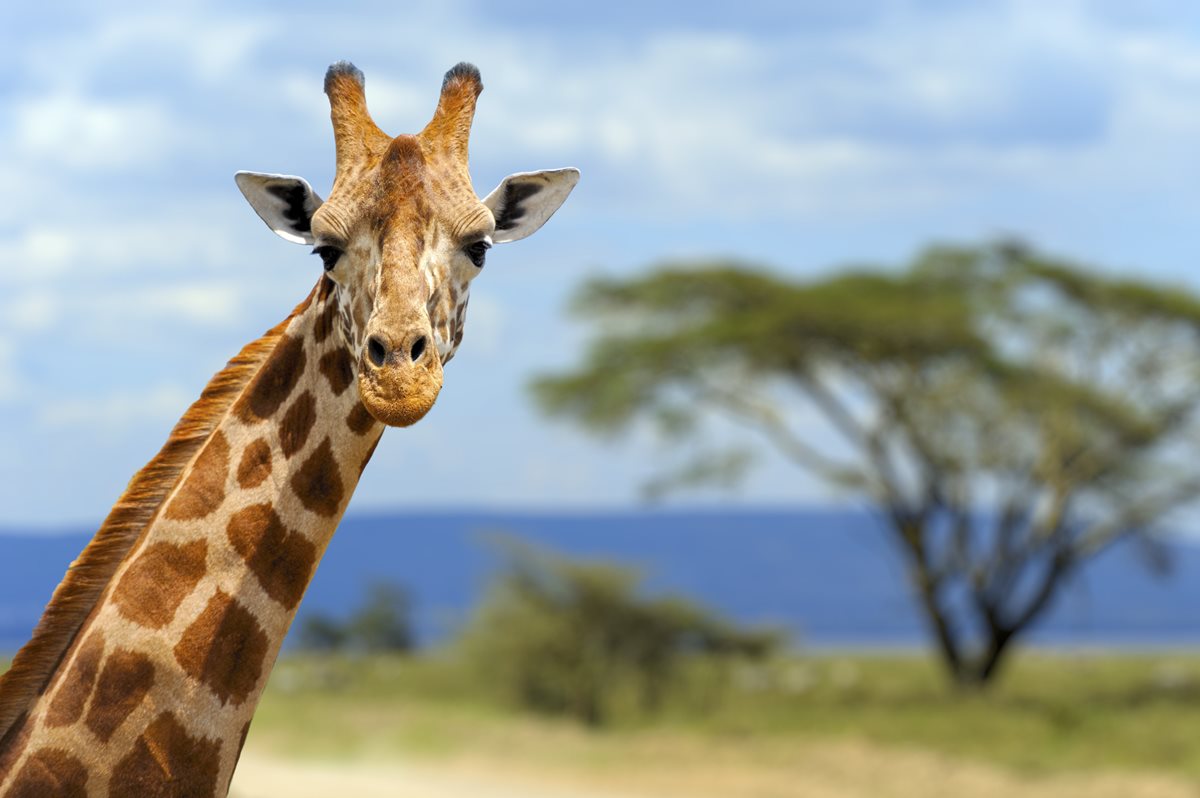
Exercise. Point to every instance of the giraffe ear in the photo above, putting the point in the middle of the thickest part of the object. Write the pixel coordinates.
(284, 202)
(523, 202)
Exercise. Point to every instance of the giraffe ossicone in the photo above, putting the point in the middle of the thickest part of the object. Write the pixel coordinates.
(143, 674)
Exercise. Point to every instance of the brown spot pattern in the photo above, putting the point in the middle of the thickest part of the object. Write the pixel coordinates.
(126, 679)
(224, 648)
(166, 762)
(204, 488)
(325, 287)
(282, 560)
(77, 683)
(318, 484)
(159, 580)
(359, 419)
(255, 465)
(274, 382)
(296, 423)
(338, 368)
(50, 772)
(325, 322)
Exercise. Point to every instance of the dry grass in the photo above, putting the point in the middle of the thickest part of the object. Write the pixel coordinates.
(861, 726)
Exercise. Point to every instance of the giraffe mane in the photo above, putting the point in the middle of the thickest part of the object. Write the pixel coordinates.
(91, 572)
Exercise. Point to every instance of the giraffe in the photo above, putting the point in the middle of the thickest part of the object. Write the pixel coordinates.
(143, 674)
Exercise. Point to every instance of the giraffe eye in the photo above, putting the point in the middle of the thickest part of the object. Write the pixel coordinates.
(329, 255)
(477, 252)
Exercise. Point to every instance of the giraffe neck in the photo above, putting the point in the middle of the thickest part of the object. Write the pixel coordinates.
(155, 694)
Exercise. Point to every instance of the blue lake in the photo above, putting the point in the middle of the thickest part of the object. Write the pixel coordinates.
(830, 577)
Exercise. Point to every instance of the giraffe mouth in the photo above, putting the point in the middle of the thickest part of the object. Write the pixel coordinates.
(399, 396)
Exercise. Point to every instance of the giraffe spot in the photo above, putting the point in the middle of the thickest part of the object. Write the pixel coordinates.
(77, 683)
(359, 419)
(126, 679)
(296, 424)
(255, 465)
(318, 484)
(327, 320)
(325, 287)
(50, 772)
(338, 368)
(203, 489)
(167, 762)
(370, 452)
(224, 648)
(282, 560)
(274, 382)
(158, 581)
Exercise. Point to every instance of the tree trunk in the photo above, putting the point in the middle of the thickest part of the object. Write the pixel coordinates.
(966, 668)
(994, 655)
(949, 647)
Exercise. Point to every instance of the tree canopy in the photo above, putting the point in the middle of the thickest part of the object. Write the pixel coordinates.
(1009, 414)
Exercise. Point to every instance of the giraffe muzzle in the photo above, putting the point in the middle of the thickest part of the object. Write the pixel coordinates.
(399, 381)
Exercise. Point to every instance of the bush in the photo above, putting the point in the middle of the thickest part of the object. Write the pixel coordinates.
(576, 638)
(381, 624)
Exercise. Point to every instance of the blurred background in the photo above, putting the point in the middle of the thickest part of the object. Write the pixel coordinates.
(838, 437)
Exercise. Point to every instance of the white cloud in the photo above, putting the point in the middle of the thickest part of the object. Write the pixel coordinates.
(214, 303)
(177, 237)
(944, 102)
(930, 121)
(69, 130)
(31, 312)
(9, 378)
(125, 318)
(209, 45)
(920, 109)
(114, 411)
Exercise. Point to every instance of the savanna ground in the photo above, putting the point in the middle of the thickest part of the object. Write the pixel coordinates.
(1056, 725)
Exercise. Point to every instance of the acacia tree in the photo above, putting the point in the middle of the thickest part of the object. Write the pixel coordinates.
(1007, 414)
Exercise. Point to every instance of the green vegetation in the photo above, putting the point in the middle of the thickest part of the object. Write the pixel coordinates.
(380, 624)
(1008, 414)
(1050, 713)
(577, 638)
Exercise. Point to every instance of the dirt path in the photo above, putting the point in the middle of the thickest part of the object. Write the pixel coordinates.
(819, 770)
(260, 777)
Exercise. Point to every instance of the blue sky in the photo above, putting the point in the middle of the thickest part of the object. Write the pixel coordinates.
(803, 135)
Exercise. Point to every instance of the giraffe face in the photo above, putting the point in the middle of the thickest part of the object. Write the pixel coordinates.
(402, 241)
(402, 236)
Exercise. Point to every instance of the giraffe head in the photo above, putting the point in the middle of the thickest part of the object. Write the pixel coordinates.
(403, 234)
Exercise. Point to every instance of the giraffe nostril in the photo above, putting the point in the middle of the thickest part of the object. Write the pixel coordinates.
(418, 349)
(376, 352)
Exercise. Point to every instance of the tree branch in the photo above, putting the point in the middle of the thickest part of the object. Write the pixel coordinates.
(762, 415)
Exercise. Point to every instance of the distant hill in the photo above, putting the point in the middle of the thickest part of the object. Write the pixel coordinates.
(828, 576)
